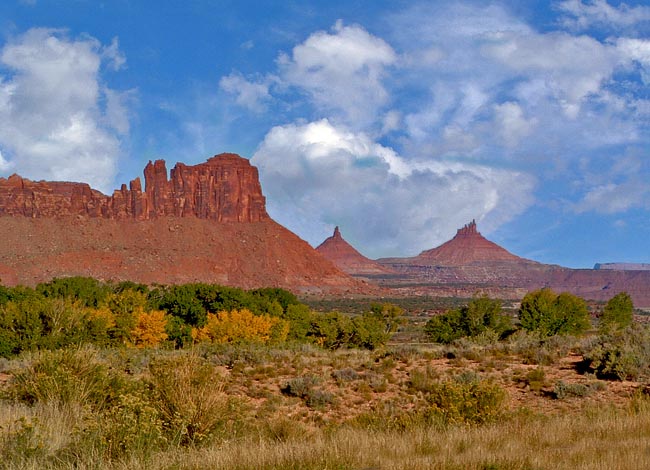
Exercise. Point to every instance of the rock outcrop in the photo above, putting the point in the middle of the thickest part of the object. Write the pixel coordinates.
(347, 258)
(226, 188)
(205, 223)
(467, 247)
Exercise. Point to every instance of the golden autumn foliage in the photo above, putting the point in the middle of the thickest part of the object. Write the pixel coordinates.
(149, 328)
(102, 315)
(241, 326)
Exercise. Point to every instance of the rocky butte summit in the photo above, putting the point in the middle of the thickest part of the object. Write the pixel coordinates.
(203, 223)
(469, 263)
(347, 258)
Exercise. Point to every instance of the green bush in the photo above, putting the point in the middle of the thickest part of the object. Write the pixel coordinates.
(482, 317)
(617, 314)
(622, 354)
(90, 292)
(548, 313)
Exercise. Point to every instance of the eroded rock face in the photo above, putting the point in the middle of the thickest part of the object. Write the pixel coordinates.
(226, 188)
(203, 223)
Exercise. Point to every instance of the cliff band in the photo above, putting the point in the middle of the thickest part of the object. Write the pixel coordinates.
(226, 188)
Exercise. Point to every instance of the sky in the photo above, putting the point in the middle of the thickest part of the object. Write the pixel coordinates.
(399, 121)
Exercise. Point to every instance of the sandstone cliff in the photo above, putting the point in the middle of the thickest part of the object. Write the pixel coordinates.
(226, 188)
(205, 223)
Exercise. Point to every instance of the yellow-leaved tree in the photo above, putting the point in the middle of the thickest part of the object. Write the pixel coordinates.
(149, 328)
(241, 326)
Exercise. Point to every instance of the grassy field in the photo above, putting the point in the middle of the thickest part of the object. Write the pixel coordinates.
(515, 404)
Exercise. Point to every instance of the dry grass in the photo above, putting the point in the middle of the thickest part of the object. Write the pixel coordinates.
(230, 404)
(606, 439)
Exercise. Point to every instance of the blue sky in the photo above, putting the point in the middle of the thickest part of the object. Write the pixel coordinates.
(399, 121)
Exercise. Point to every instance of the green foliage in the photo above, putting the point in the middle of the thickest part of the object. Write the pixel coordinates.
(622, 354)
(90, 292)
(548, 313)
(178, 332)
(617, 314)
(35, 322)
(480, 316)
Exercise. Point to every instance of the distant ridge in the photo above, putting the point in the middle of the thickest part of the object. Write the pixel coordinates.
(347, 258)
(623, 266)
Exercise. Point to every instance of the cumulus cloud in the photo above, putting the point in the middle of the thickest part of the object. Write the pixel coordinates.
(571, 67)
(251, 95)
(581, 15)
(318, 175)
(444, 118)
(341, 72)
(52, 125)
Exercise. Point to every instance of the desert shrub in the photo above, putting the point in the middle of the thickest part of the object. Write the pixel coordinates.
(617, 314)
(300, 386)
(319, 398)
(305, 387)
(20, 443)
(345, 375)
(423, 380)
(66, 377)
(189, 396)
(242, 326)
(482, 317)
(465, 401)
(132, 427)
(621, 355)
(536, 379)
(149, 330)
(549, 314)
(563, 390)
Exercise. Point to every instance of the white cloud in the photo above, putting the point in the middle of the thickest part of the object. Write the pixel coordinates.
(341, 72)
(113, 56)
(582, 15)
(4, 164)
(51, 121)
(512, 124)
(571, 68)
(613, 198)
(317, 175)
(251, 95)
